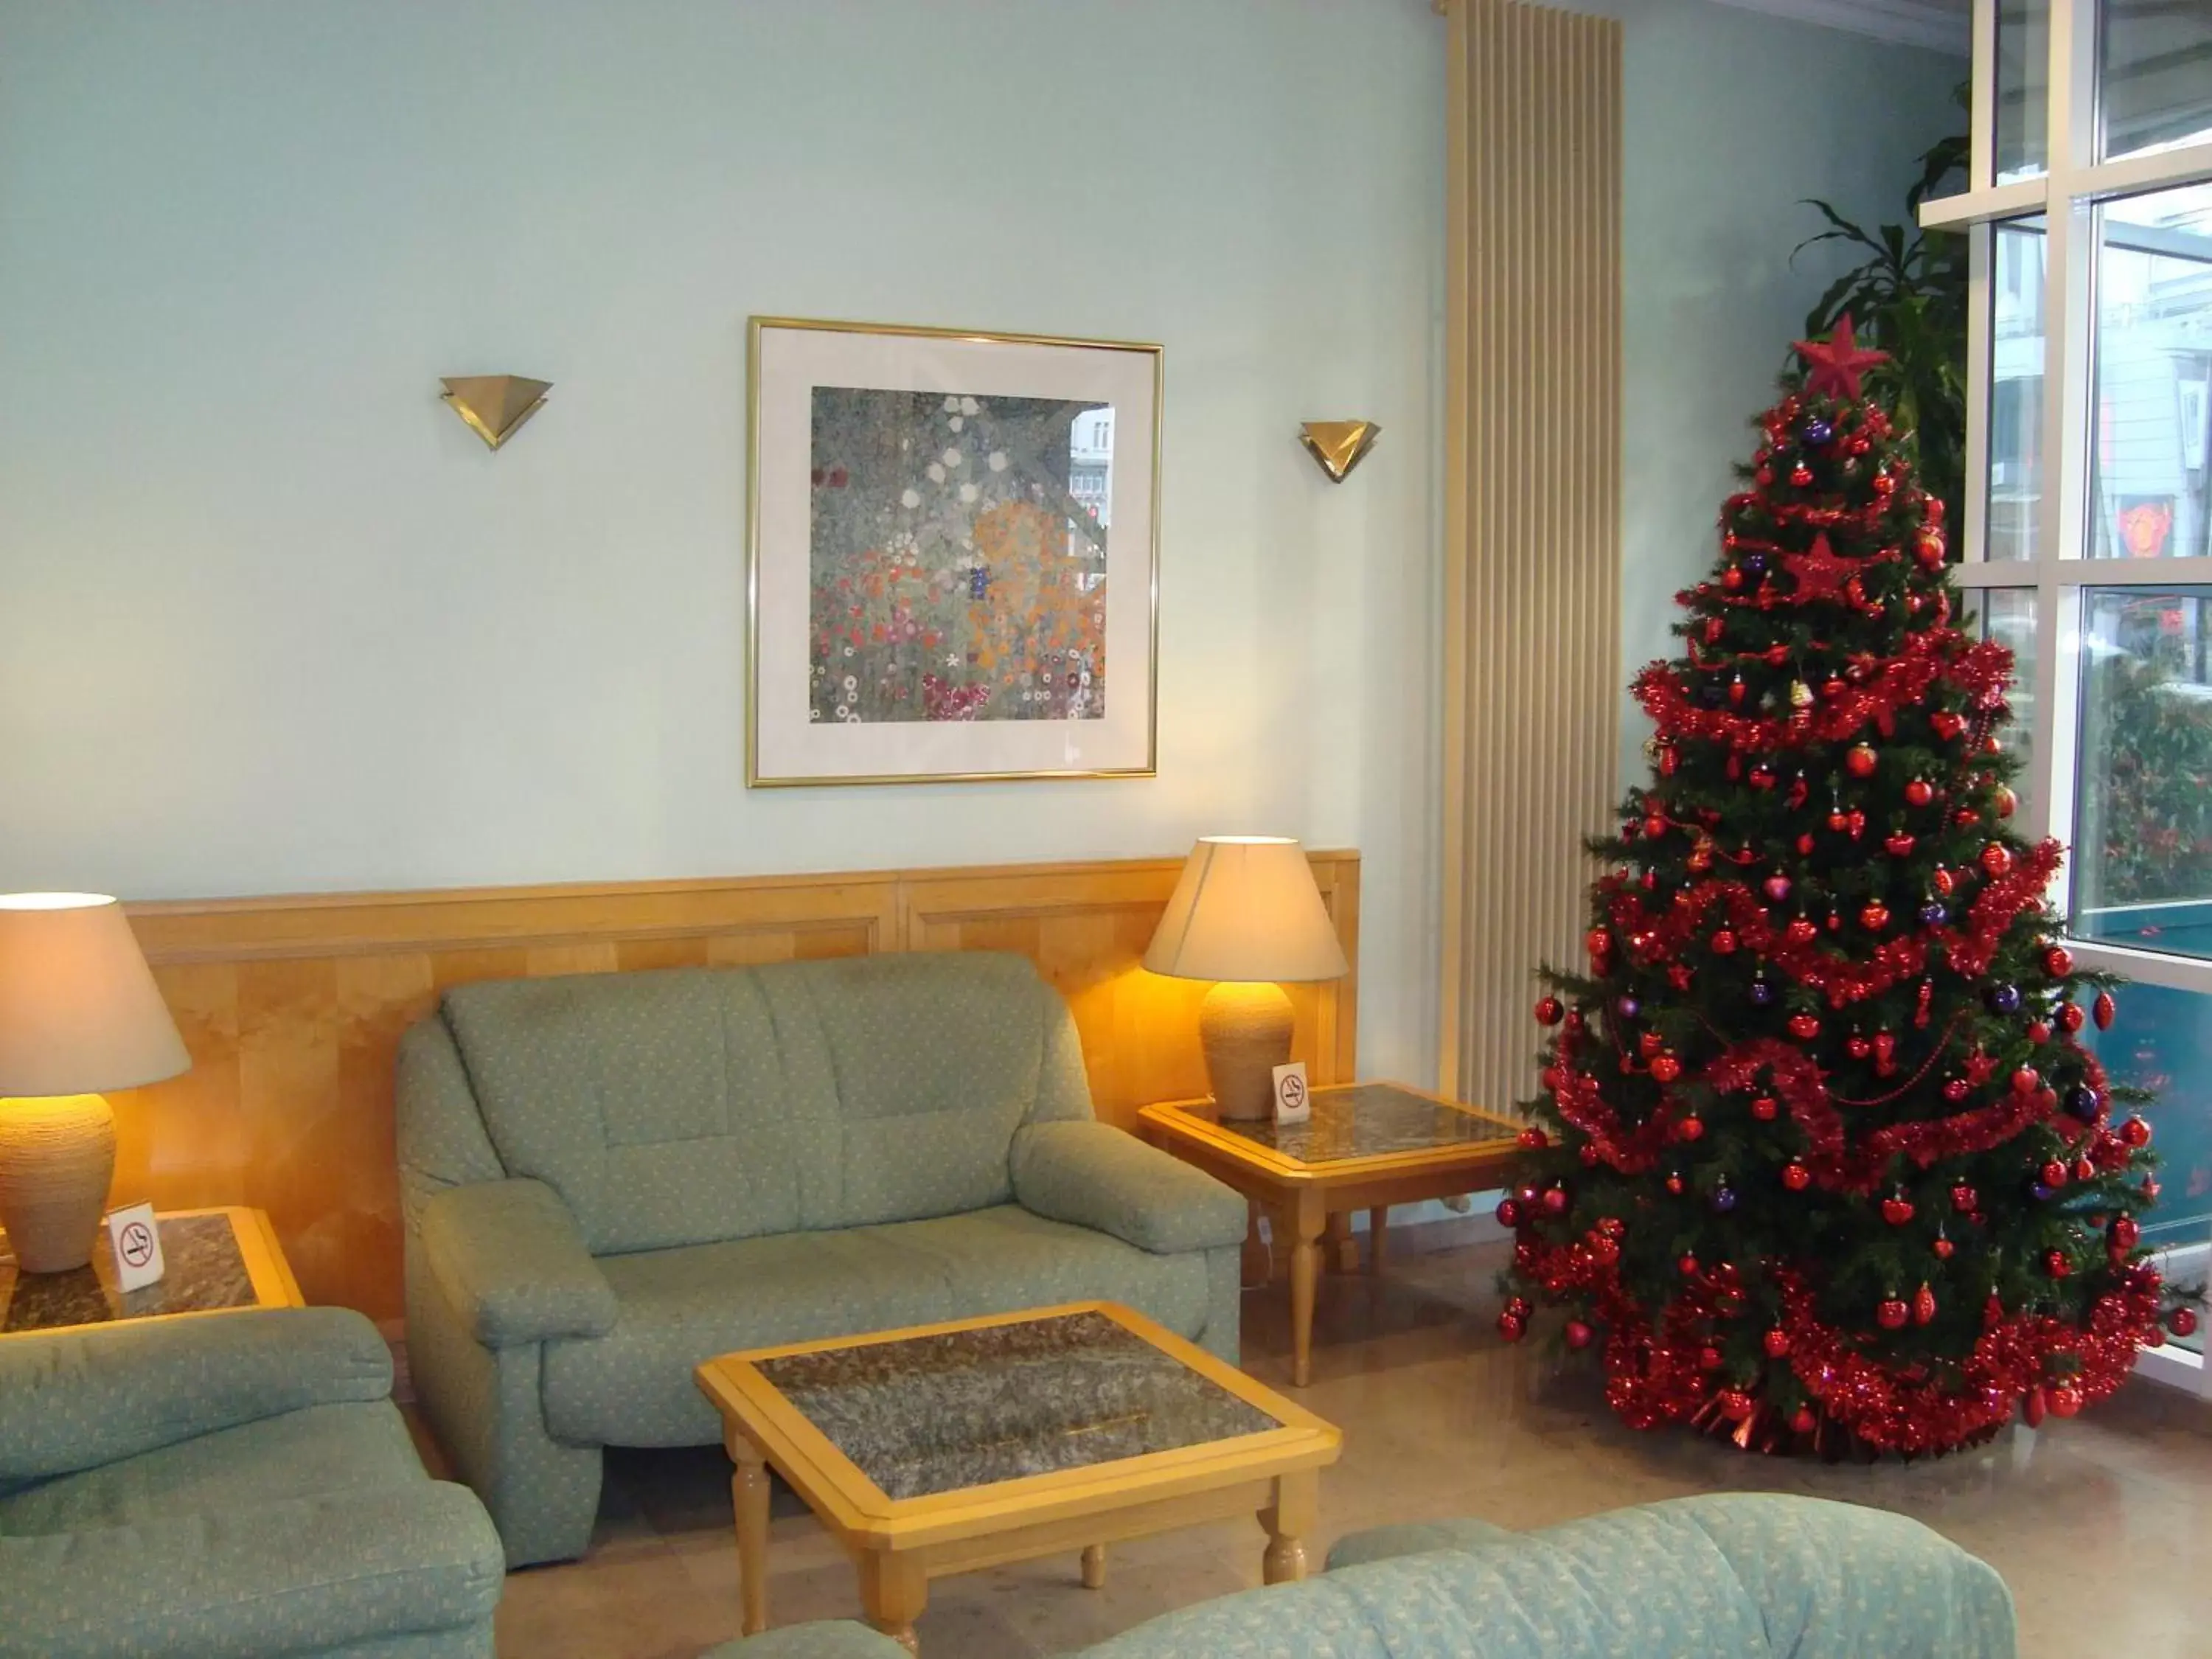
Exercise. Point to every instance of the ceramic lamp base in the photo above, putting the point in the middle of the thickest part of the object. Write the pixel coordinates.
(1245, 1030)
(57, 1158)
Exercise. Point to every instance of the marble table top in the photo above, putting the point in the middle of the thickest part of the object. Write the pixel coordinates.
(948, 1410)
(1368, 1120)
(203, 1269)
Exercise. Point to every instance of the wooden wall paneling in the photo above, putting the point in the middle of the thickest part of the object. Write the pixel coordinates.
(292, 1010)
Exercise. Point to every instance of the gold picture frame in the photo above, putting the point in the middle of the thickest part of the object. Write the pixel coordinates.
(928, 475)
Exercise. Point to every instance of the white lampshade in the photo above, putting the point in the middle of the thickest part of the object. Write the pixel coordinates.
(79, 1011)
(1247, 908)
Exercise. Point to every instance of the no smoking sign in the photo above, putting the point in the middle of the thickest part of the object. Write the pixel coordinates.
(135, 1239)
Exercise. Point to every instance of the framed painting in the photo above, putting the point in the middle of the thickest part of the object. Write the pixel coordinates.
(953, 557)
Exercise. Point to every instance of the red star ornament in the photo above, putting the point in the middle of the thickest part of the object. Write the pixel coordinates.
(1836, 363)
(1820, 574)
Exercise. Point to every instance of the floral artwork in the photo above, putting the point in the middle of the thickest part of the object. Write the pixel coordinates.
(957, 571)
(953, 565)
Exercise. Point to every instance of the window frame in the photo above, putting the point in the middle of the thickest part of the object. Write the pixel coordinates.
(2067, 194)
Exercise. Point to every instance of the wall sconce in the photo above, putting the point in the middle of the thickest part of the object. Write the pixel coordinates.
(494, 405)
(1339, 445)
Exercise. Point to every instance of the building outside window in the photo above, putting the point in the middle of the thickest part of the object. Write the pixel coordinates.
(2088, 542)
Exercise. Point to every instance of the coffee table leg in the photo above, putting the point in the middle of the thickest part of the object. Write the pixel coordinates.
(1288, 1519)
(1339, 1251)
(1094, 1566)
(749, 1496)
(893, 1589)
(1259, 1264)
(1305, 1275)
(1378, 1227)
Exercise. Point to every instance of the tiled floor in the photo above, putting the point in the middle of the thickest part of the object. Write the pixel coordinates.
(2101, 1525)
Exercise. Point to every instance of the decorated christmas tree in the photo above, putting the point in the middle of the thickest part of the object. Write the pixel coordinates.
(1820, 1161)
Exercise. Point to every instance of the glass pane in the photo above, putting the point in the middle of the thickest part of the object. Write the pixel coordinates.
(2015, 389)
(2154, 75)
(2161, 1040)
(2007, 615)
(2023, 87)
(2143, 833)
(2150, 495)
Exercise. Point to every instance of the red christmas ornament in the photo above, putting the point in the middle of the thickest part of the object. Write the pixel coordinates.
(2065, 1400)
(2070, 1017)
(1898, 845)
(1765, 1108)
(1800, 475)
(1509, 1213)
(1555, 1200)
(2032, 1407)
(2038, 1033)
(1776, 1342)
(1665, 1068)
(1923, 1305)
(1549, 1011)
(1944, 880)
(1804, 1027)
(1801, 1421)
(1947, 724)
(1762, 776)
(2135, 1132)
(1963, 1197)
(1892, 1313)
(1885, 1049)
(1835, 364)
(1735, 691)
(1690, 1128)
(1512, 1328)
(2058, 961)
(1942, 1247)
(1797, 1177)
(2182, 1322)
(1858, 1046)
(1578, 1334)
(1655, 826)
(1688, 1264)
(1860, 760)
(1897, 1209)
(1919, 791)
(1875, 917)
(1996, 858)
(1649, 1043)
(1676, 1185)
(2053, 1173)
(2056, 1264)
(1723, 943)
(1534, 1139)
(2102, 1011)
(1956, 1090)
(2027, 1080)
(2006, 802)
(2124, 1232)
(1599, 941)
(1801, 931)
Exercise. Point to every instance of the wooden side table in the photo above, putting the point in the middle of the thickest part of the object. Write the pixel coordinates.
(1367, 1145)
(214, 1261)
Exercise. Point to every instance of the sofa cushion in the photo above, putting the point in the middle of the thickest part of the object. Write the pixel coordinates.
(320, 1450)
(633, 1386)
(1386, 1543)
(705, 1104)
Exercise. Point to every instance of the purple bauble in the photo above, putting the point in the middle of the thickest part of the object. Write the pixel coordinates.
(2005, 998)
(1710, 696)
(1754, 565)
(1629, 1007)
(1934, 914)
(1817, 431)
(1723, 1199)
(1778, 887)
(1760, 994)
(2038, 1191)
(2083, 1103)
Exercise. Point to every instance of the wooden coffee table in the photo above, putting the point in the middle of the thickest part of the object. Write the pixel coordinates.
(944, 1448)
(1367, 1145)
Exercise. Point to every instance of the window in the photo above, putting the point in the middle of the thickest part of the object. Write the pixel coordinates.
(2087, 541)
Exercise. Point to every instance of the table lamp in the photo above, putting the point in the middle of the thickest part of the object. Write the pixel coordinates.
(1247, 914)
(79, 1013)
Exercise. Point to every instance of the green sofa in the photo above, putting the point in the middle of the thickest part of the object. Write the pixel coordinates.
(1735, 1576)
(235, 1484)
(607, 1178)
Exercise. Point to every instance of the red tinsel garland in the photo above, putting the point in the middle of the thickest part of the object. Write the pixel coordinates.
(1657, 1378)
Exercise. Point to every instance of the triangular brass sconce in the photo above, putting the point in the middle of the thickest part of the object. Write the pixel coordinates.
(494, 405)
(1339, 445)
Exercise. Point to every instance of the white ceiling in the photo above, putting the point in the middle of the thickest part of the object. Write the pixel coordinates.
(1944, 25)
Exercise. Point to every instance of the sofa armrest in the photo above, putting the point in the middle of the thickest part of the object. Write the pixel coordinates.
(1092, 1175)
(1388, 1543)
(508, 1257)
(294, 1575)
(827, 1638)
(76, 1399)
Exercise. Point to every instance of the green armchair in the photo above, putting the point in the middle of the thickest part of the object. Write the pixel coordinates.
(233, 1484)
(1732, 1577)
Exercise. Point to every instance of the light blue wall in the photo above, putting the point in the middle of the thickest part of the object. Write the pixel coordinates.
(1732, 117)
(274, 620)
(271, 619)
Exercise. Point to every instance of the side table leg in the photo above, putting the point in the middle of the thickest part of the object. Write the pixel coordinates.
(1378, 1227)
(1259, 1262)
(1288, 1519)
(749, 1489)
(1094, 1566)
(894, 1590)
(1340, 1251)
(1305, 1276)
